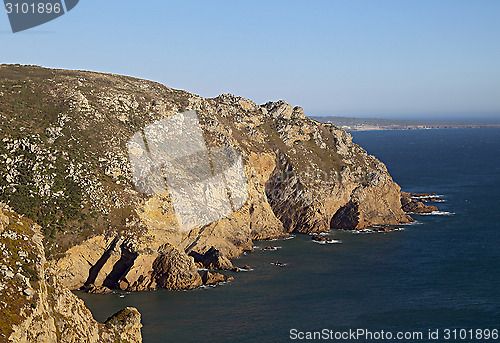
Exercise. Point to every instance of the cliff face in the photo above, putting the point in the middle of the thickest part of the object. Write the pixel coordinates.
(64, 163)
(35, 307)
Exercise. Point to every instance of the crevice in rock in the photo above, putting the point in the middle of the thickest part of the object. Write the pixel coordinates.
(121, 268)
(96, 268)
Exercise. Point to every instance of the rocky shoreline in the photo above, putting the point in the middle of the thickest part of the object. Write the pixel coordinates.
(413, 203)
(64, 162)
(35, 307)
(212, 261)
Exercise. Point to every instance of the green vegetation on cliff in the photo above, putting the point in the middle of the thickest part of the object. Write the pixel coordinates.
(64, 163)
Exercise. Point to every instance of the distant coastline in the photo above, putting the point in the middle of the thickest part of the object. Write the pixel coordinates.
(368, 124)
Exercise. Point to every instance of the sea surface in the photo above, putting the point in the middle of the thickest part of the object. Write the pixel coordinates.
(442, 272)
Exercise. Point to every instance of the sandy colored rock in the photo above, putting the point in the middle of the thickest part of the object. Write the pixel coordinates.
(210, 278)
(301, 176)
(212, 259)
(126, 325)
(73, 268)
(47, 311)
(173, 269)
(410, 203)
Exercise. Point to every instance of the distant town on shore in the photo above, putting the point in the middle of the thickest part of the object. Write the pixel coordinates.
(365, 124)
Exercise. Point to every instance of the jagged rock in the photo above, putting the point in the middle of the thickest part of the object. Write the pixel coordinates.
(140, 277)
(230, 99)
(126, 325)
(212, 259)
(174, 270)
(410, 205)
(418, 207)
(382, 229)
(210, 278)
(298, 112)
(93, 289)
(318, 238)
(29, 292)
(299, 174)
(117, 277)
(79, 262)
(279, 109)
(46, 311)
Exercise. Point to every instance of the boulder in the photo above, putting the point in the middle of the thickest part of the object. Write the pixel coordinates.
(126, 325)
(175, 270)
(319, 238)
(93, 289)
(410, 205)
(279, 109)
(210, 278)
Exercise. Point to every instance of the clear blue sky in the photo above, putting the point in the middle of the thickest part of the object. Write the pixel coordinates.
(403, 58)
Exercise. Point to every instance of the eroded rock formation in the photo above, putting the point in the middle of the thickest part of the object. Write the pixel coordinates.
(64, 153)
(411, 204)
(35, 307)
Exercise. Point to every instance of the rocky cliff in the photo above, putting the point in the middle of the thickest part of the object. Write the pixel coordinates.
(64, 164)
(35, 307)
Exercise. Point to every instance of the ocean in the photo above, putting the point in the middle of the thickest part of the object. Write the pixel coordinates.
(437, 275)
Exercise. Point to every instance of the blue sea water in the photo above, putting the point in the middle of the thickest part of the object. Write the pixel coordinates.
(442, 272)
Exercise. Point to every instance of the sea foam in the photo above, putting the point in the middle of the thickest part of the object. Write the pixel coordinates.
(437, 213)
(332, 241)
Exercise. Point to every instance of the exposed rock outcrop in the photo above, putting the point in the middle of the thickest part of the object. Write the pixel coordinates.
(410, 203)
(93, 289)
(64, 163)
(173, 269)
(35, 307)
(125, 325)
(318, 238)
(210, 278)
(212, 259)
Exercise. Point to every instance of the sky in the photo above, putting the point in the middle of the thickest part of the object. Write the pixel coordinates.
(418, 59)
